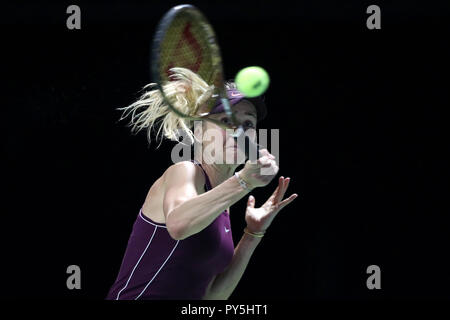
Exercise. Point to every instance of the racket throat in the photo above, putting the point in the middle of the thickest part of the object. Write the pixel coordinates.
(227, 107)
(238, 132)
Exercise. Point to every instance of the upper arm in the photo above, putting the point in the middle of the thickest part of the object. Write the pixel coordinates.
(207, 295)
(180, 184)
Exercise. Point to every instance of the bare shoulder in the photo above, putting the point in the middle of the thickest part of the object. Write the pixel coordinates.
(182, 167)
(178, 178)
(183, 172)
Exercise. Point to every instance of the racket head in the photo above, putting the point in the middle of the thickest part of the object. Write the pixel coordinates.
(185, 39)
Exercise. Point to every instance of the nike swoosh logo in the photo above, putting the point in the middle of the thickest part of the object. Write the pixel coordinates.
(226, 230)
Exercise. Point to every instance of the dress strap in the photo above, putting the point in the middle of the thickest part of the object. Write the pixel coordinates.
(207, 182)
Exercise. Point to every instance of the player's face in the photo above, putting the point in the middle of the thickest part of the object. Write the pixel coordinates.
(245, 113)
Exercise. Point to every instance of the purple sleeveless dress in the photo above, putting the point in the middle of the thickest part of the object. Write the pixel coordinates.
(155, 266)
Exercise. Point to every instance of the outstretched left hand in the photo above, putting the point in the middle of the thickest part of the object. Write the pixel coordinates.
(259, 219)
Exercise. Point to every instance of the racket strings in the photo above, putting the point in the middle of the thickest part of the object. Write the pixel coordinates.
(187, 67)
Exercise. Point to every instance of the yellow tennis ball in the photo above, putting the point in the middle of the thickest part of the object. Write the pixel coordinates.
(252, 81)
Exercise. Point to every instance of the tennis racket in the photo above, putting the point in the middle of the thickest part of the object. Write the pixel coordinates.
(185, 39)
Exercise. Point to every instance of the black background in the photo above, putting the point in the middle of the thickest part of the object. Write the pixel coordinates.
(362, 119)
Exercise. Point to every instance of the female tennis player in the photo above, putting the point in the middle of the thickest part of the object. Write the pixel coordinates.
(181, 245)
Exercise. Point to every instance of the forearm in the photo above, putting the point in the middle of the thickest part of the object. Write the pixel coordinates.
(197, 213)
(225, 283)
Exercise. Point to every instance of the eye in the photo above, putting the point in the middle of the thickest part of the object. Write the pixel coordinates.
(248, 124)
(225, 120)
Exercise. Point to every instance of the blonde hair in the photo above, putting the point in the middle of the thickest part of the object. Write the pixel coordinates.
(187, 92)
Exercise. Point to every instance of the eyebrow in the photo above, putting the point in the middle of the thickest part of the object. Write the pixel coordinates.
(250, 113)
